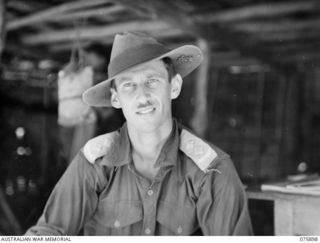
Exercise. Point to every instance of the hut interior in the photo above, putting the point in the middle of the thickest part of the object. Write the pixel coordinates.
(256, 94)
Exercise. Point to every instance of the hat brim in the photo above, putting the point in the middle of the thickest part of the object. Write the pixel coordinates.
(185, 59)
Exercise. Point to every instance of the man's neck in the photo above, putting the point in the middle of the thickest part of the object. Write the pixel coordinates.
(146, 145)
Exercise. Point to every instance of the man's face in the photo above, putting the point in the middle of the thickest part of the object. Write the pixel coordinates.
(144, 93)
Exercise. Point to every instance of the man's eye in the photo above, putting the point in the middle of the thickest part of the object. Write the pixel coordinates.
(152, 81)
(128, 85)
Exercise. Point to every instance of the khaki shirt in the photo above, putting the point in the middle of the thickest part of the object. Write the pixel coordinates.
(109, 197)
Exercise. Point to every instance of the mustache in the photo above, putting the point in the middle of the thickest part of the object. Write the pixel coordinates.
(145, 104)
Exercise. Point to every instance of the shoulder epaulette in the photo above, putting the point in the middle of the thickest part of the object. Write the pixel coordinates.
(198, 150)
(98, 146)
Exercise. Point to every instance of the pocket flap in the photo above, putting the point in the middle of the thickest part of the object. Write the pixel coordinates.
(120, 214)
(178, 219)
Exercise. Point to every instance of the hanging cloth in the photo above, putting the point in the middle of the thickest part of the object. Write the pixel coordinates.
(73, 80)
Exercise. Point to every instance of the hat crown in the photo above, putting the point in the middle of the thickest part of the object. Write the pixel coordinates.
(130, 49)
(130, 40)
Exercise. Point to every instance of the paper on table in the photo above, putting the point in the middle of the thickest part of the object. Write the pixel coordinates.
(308, 186)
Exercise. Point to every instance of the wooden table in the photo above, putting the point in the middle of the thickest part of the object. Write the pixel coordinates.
(293, 214)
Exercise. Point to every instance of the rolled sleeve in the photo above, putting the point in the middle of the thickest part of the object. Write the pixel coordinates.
(222, 205)
(72, 201)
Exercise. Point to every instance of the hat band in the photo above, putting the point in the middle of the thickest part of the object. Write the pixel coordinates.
(135, 56)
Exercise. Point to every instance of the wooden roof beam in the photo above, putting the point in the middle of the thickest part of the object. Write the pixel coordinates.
(258, 10)
(299, 46)
(81, 14)
(286, 25)
(166, 11)
(229, 58)
(240, 61)
(105, 32)
(302, 57)
(222, 55)
(51, 12)
(27, 6)
(284, 36)
(86, 13)
(168, 36)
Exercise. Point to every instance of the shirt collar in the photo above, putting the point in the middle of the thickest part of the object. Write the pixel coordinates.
(120, 151)
(169, 152)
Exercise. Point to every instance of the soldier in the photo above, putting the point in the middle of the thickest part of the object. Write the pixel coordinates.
(152, 176)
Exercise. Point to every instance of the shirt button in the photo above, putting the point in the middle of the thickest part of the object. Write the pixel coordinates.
(117, 224)
(179, 230)
(147, 231)
(150, 192)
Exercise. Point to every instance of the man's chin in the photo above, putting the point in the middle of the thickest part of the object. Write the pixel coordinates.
(146, 123)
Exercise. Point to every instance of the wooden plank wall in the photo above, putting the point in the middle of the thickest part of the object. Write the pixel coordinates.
(264, 120)
(310, 125)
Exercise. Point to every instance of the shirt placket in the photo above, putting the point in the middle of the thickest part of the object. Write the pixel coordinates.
(149, 195)
(149, 205)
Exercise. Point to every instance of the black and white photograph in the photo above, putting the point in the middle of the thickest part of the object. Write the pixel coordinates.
(159, 118)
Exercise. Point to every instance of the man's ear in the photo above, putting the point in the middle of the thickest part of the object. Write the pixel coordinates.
(176, 85)
(115, 102)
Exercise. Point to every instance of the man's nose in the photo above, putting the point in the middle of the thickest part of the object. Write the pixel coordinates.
(142, 93)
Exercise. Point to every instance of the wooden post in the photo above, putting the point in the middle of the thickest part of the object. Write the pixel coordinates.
(259, 125)
(199, 122)
(212, 92)
(310, 105)
(2, 26)
(9, 217)
(280, 117)
(290, 150)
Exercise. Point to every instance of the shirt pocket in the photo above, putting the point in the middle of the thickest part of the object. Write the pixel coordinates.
(120, 218)
(176, 219)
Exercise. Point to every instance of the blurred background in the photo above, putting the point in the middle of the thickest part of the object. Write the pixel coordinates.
(256, 95)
